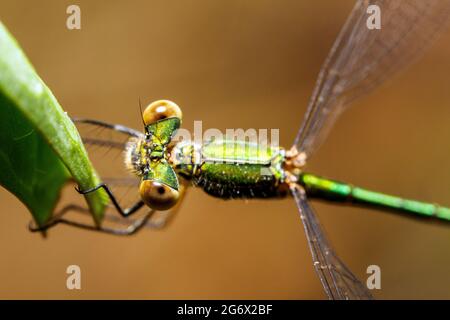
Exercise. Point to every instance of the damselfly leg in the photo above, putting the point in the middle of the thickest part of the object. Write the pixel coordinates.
(123, 212)
(130, 228)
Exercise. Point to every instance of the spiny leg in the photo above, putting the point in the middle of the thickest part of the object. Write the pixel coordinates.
(131, 228)
(123, 212)
(160, 219)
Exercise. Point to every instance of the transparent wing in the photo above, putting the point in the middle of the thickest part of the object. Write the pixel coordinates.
(338, 281)
(361, 59)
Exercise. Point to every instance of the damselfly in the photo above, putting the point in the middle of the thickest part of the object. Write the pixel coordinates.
(360, 59)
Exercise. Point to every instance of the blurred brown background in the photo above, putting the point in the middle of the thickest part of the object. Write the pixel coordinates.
(234, 64)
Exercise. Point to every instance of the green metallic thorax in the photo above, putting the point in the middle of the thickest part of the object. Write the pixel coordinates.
(231, 169)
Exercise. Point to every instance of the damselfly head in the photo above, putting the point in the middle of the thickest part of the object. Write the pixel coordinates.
(147, 156)
(157, 195)
(159, 110)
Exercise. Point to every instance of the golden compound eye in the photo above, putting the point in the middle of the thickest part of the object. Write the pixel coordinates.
(160, 109)
(157, 195)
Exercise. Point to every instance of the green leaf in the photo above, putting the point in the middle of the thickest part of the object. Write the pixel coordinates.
(40, 147)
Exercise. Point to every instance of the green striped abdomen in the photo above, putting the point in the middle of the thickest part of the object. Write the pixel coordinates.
(331, 190)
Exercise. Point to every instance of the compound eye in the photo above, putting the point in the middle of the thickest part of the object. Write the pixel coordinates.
(160, 109)
(157, 195)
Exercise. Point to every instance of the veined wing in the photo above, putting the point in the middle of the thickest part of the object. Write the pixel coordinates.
(337, 279)
(361, 59)
(109, 128)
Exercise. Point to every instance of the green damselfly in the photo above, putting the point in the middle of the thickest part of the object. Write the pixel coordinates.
(360, 59)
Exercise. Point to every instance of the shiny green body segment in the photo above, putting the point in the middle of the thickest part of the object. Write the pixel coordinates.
(159, 134)
(235, 151)
(233, 169)
(318, 187)
(162, 172)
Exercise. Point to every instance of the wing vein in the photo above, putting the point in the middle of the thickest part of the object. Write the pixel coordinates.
(336, 278)
(361, 59)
